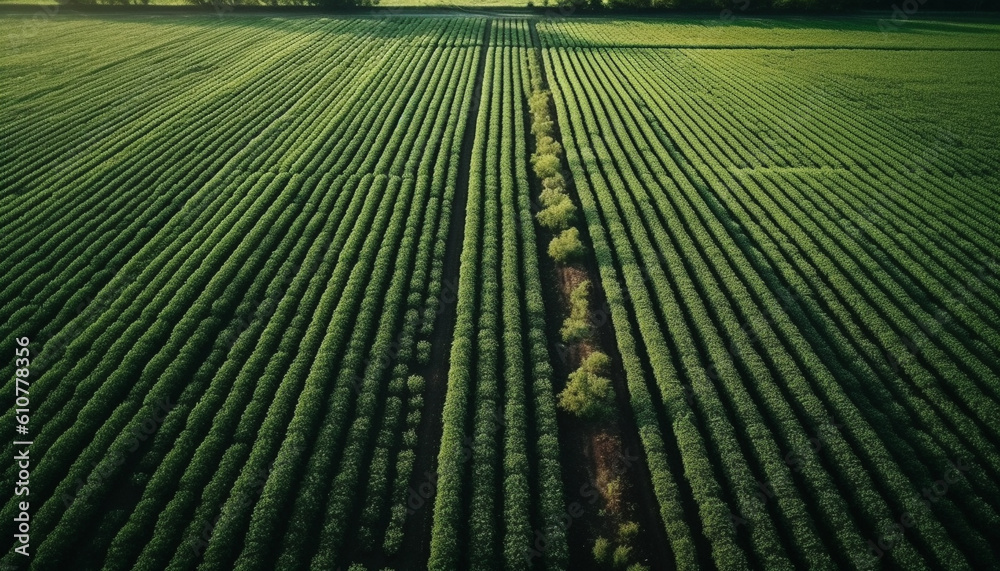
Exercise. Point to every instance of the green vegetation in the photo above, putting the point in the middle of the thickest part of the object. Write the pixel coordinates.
(577, 326)
(628, 531)
(566, 247)
(619, 559)
(795, 328)
(500, 381)
(877, 30)
(265, 272)
(602, 550)
(559, 212)
(588, 394)
(230, 241)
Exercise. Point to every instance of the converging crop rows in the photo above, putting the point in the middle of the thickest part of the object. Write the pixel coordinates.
(285, 283)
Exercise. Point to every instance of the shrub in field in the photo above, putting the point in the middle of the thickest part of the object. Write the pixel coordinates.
(546, 165)
(602, 550)
(577, 326)
(567, 246)
(559, 215)
(394, 534)
(539, 104)
(628, 530)
(588, 394)
(396, 385)
(613, 493)
(415, 384)
(621, 556)
(542, 126)
(554, 182)
(423, 352)
(410, 438)
(546, 146)
(551, 196)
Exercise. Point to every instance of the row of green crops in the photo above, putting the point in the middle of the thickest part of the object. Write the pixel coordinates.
(249, 237)
(499, 492)
(226, 240)
(817, 357)
(885, 30)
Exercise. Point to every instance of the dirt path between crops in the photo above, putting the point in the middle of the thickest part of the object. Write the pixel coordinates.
(594, 454)
(417, 530)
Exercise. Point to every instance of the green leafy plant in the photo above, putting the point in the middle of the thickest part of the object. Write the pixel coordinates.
(628, 531)
(559, 215)
(602, 550)
(566, 246)
(546, 165)
(423, 352)
(577, 325)
(621, 556)
(588, 394)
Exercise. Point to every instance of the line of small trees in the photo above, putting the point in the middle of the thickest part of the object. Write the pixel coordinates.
(222, 6)
(588, 393)
(558, 213)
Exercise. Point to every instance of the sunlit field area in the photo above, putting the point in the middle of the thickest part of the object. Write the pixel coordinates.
(473, 291)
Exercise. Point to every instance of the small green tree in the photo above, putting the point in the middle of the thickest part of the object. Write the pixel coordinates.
(602, 550)
(552, 196)
(545, 145)
(556, 182)
(587, 393)
(539, 103)
(546, 165)
(559, 215)
(415, 384)
(621, 556)
(577, 325)
(423, 352)
(627, 531)
(566, 246)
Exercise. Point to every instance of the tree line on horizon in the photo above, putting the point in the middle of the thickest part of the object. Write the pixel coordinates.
(902, 8)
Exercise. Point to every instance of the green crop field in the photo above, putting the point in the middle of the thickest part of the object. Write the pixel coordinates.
(470, 291)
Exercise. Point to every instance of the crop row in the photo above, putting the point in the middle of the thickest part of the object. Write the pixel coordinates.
(741, 352)
(273, 295)
(499, 384)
